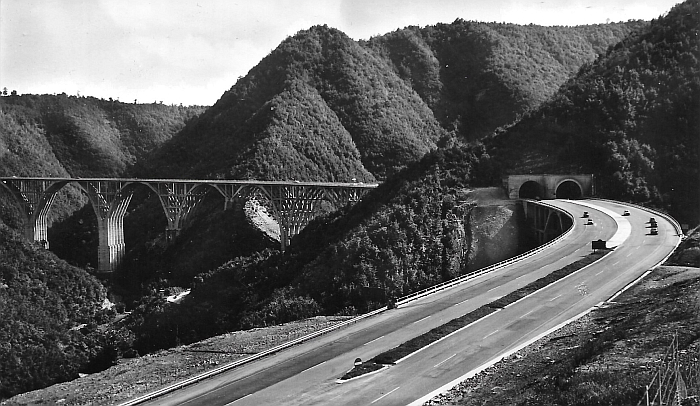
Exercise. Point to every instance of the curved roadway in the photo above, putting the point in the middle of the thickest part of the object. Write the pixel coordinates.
(306, 374)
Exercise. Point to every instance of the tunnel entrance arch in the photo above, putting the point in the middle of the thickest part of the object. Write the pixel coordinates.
(551, 186)
(531, 190)
(568, 189)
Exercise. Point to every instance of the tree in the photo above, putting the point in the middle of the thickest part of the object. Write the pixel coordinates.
(4, 91)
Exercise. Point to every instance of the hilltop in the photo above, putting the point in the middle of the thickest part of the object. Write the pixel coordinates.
(478, 76)
(413, 109)
(64, 136)
(630, 118)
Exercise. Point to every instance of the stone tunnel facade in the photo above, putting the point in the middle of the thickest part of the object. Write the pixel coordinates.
(548, 186)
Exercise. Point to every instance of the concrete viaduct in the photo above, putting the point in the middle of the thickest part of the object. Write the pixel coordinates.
(293, 204)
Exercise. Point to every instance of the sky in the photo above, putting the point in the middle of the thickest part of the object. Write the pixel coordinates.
(191, 51)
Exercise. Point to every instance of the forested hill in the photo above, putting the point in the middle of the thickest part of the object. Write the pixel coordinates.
(60, 135)
(319, 107)
(324, 107)
(632, 118)
(479, 76)
(49, 313)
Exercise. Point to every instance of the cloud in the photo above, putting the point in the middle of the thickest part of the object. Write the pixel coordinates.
(192, 51)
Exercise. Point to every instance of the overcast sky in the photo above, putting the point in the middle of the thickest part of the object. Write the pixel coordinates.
(191, 51)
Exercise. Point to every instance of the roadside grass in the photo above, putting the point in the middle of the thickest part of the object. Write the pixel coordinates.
(607, 357)
(393, 355)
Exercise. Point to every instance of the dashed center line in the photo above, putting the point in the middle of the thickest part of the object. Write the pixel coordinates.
(442, 362)
(227, 404)
(386, 394)
(313, 366)
(489, 335)
(418, 321)
(527, 313)
(463, 301)
(554, 298)
(370, 342)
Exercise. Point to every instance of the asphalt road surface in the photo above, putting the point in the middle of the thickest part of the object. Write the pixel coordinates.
(307, 374)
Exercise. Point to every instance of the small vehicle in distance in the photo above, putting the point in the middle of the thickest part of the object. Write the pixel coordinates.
(654, 231)
(589, 222)
(585, 214)
(626, 213)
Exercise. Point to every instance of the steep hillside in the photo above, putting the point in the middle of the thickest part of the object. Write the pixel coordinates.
(318, 99)
(81, 136)
(49, 311)
(631, 118)
(479, 76)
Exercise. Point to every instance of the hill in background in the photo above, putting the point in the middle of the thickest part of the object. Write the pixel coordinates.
(477, 77)
(632, 118)
(69, 136)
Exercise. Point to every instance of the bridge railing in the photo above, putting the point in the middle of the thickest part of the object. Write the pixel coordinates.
(668, 217)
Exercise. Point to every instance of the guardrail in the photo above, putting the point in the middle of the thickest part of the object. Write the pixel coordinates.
(181, 384)
(668, 217)
(403, 300)
(464, 278)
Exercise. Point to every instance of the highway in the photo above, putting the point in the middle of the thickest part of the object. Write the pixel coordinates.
(306, 374)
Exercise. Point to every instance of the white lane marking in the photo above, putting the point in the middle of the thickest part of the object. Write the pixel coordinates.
(418, 321)
(600, 272)
(386, 394)
(492, 289)
(489, 335)
(463, 301)
(527, 313)
(442, 362)
(370, 342)
(230, 403)
(554, 298)
(321, 363)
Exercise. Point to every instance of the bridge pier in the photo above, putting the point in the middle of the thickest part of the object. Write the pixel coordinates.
(545, 221)
(109, 201)
(293, 204)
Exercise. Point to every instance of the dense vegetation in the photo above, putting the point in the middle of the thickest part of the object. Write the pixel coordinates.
(631, 118)
(406, 235)
(479, 76)
(49, 317)
(396, 108)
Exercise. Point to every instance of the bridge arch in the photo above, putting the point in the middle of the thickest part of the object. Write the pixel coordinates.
(293, 204)
(568, 189)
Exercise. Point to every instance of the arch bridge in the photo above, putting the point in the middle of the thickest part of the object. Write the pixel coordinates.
(293, 204)
(547, 186)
